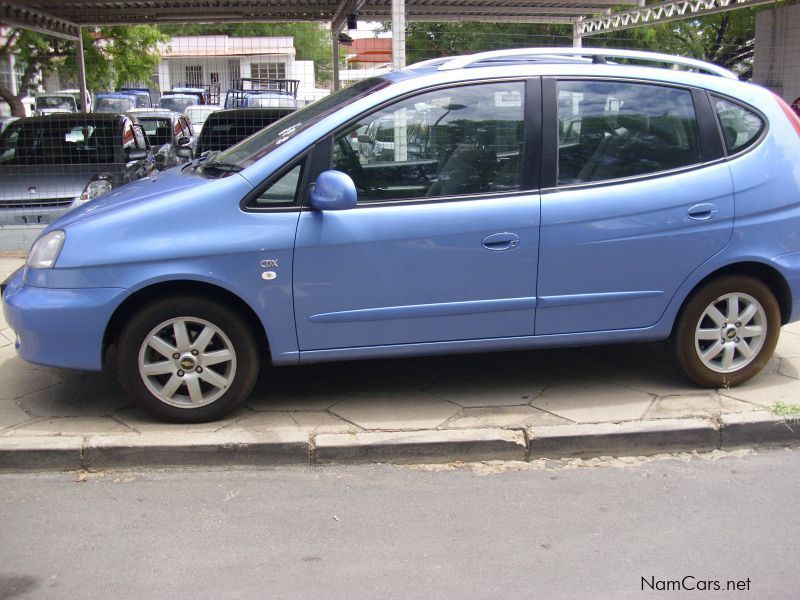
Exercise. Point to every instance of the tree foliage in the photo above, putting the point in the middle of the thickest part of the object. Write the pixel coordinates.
(726, 39)
(311, 41)
(434, 40)
(112, 55)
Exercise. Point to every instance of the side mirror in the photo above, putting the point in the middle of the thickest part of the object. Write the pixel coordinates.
(183, 152)
(364, 139)
(183, 141)
(134, 154)
(333, 190)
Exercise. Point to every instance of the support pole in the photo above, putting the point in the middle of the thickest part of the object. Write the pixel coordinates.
(398, 34)
(577, 40)
(335, 52)
(82, 73)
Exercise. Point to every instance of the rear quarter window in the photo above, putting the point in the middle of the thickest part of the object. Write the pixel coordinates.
(740, 126)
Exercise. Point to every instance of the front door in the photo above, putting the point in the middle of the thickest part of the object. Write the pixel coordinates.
(444, 242)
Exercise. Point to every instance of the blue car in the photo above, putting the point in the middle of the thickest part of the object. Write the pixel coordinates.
(531, 199)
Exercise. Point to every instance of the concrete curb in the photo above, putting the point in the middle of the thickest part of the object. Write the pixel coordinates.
(758, 428)
(41, 453)
(196, 449)
(420, 446)
(615, 439)
(242, 447)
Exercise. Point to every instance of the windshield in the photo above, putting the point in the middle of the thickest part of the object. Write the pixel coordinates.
(177, 103)
(159, 131)
(61, 143)
(256, 146)
(270, 101)
(113, 105)
(55, 102)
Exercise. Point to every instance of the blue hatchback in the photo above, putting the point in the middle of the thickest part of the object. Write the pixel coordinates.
(524, 199)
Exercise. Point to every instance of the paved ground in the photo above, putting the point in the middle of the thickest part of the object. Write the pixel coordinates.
(628, 383)
(541, 530)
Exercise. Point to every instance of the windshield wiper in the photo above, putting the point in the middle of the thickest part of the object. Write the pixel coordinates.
(220, 167)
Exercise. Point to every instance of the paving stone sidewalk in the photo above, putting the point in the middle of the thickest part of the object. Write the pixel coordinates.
(469, 406)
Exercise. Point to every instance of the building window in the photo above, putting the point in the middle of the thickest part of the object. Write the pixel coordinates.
(268, 70)
(194, 75)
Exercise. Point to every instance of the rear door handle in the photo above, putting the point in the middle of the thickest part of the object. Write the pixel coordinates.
(702, 212)
(501, 241)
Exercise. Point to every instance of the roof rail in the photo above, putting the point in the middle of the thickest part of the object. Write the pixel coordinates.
(471, 59)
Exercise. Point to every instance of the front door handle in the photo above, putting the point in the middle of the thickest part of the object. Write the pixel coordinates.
(500, 241)
(702, 212)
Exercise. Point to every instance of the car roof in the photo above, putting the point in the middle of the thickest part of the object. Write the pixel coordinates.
(75, 118)
(152, 112)
(250, 112)
(121, 95)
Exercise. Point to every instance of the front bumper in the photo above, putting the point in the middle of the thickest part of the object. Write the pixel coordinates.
(35, 214)
(59, 327)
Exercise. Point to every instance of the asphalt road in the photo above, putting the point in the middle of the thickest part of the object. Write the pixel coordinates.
(580, 531)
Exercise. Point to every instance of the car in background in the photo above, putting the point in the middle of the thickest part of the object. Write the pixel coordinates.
(51, 103)
(53, 163)
(262, 93)
(670, 214)
(114, 102)
(142, 96)
(177, 102)
(197, 115)
(167, 132)
(225, 128)
(269, 100)
(76, 93)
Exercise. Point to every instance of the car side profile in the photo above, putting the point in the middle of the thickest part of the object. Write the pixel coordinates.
(532, 198)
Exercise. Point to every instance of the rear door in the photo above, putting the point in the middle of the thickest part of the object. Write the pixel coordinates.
(637, 201)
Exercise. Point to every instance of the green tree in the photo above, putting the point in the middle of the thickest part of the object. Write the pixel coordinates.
(112, 55)
(433, 40)
(726, 39)
(311, 41)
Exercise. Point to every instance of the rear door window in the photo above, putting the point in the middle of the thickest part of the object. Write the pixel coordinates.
(611, 130)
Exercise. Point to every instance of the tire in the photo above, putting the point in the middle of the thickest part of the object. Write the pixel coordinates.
(715, 349)
(187, 359)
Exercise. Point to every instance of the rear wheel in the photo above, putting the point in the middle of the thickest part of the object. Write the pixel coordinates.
(187, 359)
(726, 332)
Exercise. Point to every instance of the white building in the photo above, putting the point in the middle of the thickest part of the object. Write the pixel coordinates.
(220, 59)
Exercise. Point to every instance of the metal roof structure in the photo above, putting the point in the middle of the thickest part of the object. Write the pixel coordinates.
(63, 17)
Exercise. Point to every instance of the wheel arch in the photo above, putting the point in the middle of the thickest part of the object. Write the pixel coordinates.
(768, 275)
(185, 287)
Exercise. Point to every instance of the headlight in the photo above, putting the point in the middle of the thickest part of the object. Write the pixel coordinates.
(96, 187)
(46, 249)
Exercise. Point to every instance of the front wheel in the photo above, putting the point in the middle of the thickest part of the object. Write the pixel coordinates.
(187, 359)
(726, 332)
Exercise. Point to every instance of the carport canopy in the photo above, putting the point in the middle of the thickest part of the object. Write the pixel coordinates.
(64, 18)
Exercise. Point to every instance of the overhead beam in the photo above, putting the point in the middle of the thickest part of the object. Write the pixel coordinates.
(660, 13)
(14, 15)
